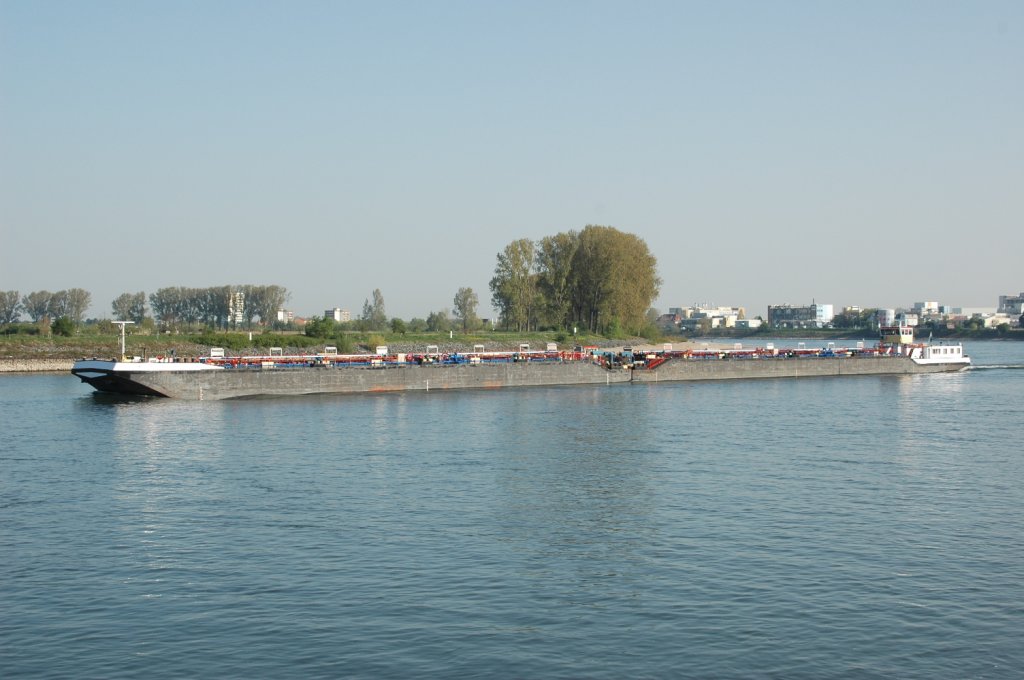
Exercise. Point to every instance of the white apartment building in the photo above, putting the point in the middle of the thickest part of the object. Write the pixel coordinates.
(338, 314)
(691, 318)
(908, 319)
(236, 307)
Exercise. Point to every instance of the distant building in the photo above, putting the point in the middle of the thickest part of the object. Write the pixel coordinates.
(788, 316)
(997, 320)
(337, 314)
(236, 307)
(969, 312)
(705, 323)
(824, 315)
(702, 316)
(908, 319)
(809, 316)
(1011, 305)
(669, 321)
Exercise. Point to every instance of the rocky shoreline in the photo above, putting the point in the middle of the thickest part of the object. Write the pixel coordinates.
(36, 365)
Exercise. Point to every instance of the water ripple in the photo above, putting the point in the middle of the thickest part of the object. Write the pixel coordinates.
(819, 529)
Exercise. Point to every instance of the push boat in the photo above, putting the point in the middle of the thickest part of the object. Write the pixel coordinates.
(220, 376)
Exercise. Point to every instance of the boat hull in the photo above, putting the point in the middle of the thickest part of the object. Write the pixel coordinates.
(678, 370)
(204, 382)
(250, 382)
(124, 377)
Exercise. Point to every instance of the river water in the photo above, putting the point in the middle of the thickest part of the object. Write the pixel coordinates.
(816, 528)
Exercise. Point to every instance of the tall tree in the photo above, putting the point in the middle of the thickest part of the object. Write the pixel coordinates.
(614, 279)
(598, 278)
(514, 286)
(191, 305)
(265, 301)
(214, 305)
(129, 307)
(59, 304)
(37, 304)
(250, 298)
(554, 276)
(465, 304)
(167, 304)
(77, 302)
(438, 322)
(374, 316)
(10, 306)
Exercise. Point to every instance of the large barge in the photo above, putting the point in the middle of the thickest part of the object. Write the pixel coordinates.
(225, 377)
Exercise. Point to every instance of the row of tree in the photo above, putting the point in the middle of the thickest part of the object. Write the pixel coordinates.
(216, 306)
(219, 306)
(598, 279)
(42, 304)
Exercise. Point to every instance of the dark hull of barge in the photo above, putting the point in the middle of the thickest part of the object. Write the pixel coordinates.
(235, 383)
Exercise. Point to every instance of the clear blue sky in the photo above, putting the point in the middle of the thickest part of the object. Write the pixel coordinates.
(867, 153)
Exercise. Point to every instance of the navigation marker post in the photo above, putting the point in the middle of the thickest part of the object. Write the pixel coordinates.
(122, 324)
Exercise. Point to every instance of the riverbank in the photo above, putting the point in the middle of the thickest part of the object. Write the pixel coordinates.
(8, 365)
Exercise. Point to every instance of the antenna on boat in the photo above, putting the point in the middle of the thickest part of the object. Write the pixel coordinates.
(122, 324)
